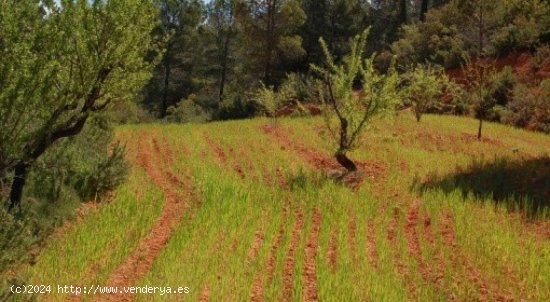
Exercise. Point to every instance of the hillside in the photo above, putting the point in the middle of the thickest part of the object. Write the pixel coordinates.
(244, 210)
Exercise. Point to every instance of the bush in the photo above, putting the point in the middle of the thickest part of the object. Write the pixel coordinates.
(129, 112)
(502, 85)
(541, 54)
(80, 167)
(187, 111)
(299, 87)
(530, 107)
(16, 237)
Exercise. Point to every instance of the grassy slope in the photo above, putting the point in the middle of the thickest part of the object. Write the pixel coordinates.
(254, 232)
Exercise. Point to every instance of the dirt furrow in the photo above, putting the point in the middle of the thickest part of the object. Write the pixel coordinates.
(413, 240)
(373, 170)
(310, 263)
(352, 235)
(290, 259)
(257, 290)
(372, 250)
(488, 291)
(141, 259)
(438, 273)
(332, 252)
(254, 249)
(402, 269)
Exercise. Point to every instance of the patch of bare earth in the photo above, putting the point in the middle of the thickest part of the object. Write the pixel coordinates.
(310, 263)
(141, 259)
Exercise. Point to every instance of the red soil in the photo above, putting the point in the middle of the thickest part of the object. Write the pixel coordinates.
(332, 253)
(141, 259)
(438, 272)
(205, 294)
(290, 259)
(223, 158)
(522, 64)
(352, 234)
(256, 293)
(372, 250)
(402, 269)
(292, 108)
(413, 239)
(488, 291)
(310, 262)
(256, 245)
(373, 170)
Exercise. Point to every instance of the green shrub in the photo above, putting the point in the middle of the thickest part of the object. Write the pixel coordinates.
(16, 237)
(129, 112)
(187, 111)
(502, 85)
(80, 165)
(541, 54)
(530, 107)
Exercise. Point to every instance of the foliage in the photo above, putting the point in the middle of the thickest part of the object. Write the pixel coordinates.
(438, 40)
(425, 86)
(187, 111)
(129, 112)
(88, 164)
(542, 53)
(453, 29)
(270, 30)
(176, 74)
(530, 107)
(59, 70)
(520, 25)
(268, 99)
(336, 21)
(347, 114)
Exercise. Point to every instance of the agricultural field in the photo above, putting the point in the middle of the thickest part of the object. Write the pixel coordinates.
(254, 210)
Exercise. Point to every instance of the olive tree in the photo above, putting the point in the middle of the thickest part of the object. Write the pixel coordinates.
(62, 63)
(347, 112)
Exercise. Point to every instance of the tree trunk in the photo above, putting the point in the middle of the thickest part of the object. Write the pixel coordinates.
(167, 71)
(403, 11)
(479, 129)
(224, 59)
(423, 10)
(19, 180)
(347, 163)
(418, 115)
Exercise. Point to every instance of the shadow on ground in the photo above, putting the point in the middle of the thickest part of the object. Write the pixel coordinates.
(517, 184)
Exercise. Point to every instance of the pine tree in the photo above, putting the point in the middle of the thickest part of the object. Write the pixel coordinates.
(270, 30)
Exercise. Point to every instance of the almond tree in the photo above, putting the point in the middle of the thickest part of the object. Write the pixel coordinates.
(425, 85)
(60, 65)
(346, 112)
